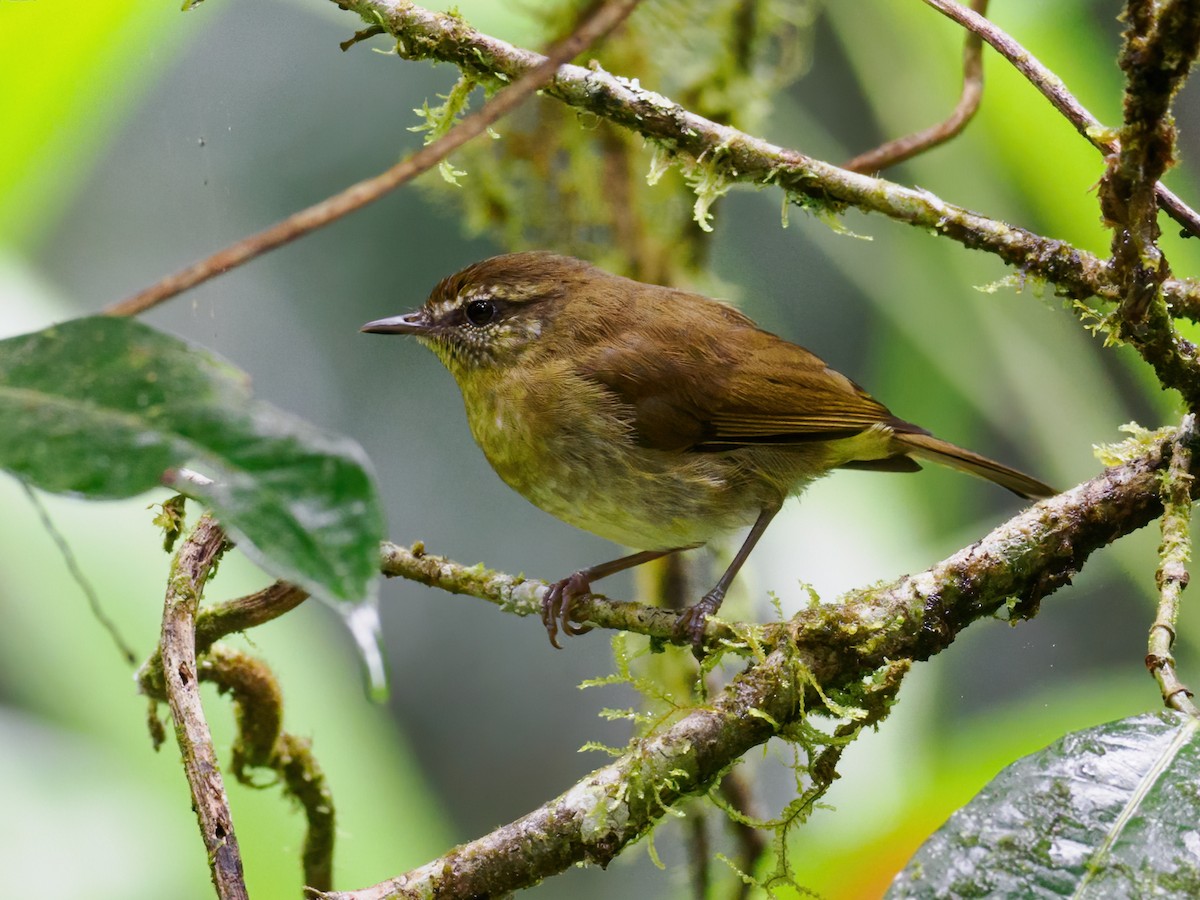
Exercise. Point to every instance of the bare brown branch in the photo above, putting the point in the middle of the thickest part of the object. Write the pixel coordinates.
(900, 149)
(599, 20)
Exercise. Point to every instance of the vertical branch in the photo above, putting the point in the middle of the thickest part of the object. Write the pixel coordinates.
(189, 573)
(1161, 44)
(1172, 575)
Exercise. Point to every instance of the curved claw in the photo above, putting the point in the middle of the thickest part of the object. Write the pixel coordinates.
(693, 619)
(557, 606)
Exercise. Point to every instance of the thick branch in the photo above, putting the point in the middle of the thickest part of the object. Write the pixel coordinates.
(1019, 563)
(614, 805)
(736, 156)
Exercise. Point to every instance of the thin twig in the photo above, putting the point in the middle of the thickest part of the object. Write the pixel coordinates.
(76, 572)
(597, 22)
(221, 619)
(731, 156)
(900, 149)
(1052, 88)
(1172, 575)
(189, 572)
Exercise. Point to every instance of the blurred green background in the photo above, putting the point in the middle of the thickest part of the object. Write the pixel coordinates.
(137, 138)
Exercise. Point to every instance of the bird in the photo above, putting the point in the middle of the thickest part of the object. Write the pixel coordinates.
(654, 417)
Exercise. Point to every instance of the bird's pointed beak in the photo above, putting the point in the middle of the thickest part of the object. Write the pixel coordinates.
(415, 322)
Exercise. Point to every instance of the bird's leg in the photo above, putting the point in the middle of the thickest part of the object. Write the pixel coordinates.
(561, 596)
(691, 622)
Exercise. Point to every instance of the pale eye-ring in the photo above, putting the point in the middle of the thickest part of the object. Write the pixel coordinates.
(480, 312)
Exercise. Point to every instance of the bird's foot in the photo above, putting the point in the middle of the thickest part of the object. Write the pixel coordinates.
(693, 619)
(557, 606)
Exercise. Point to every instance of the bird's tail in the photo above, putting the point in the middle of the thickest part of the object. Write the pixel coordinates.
(926, 446)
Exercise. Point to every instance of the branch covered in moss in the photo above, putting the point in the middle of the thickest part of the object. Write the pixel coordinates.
(616, 804)
(729, 155)
(794, 667)
(1161, 44)
(189, 572)
(1172, 576)
(1020, 562)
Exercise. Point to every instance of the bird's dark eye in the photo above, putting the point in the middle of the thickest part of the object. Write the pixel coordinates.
(480, 312)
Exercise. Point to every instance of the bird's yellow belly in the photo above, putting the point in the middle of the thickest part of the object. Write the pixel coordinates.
(586, 469)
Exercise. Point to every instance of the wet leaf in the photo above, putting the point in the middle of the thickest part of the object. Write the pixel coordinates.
(1107, 812)
(106, 408)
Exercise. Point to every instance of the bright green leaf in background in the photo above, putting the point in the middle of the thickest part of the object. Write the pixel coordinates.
(66, 77)
(1107, 812)
(106, 407)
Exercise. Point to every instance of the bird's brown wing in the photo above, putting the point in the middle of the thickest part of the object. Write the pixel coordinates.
(738, 387)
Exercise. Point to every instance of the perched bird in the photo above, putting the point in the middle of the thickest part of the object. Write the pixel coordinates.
(653, 417)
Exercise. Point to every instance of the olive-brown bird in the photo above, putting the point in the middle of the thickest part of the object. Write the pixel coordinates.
(653, 417)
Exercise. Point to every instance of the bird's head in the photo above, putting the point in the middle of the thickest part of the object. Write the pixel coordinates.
(491, 313)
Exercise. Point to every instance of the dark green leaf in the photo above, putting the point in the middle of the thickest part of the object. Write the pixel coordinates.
(1113, 811)
(108, 408)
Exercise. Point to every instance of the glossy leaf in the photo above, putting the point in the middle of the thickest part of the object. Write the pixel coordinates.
(1107, 812)
(106, 408)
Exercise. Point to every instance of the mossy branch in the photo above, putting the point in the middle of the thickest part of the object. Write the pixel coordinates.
(735, 156)
(1172, 576)
(816, 654)
(616, 804)
(1017, 564)
(189, 572)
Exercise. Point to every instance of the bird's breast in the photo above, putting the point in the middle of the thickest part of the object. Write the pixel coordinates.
(565, 443)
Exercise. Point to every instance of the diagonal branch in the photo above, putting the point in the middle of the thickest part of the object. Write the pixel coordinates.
(1052, 88)
(734, 156)
(616, 804)
(596, 22)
